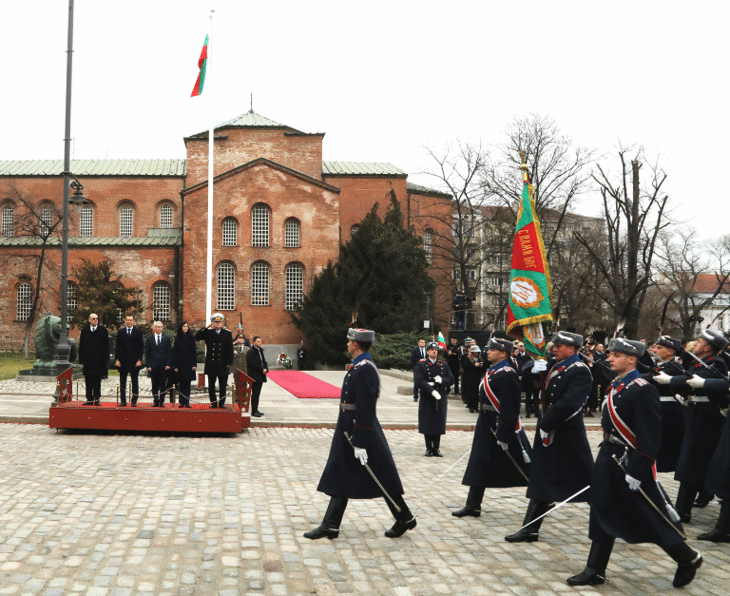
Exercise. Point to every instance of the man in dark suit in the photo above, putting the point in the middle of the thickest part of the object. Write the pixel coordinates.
(218, 357)
(94, 355)
(257, 369)
(129, 353)
(158, 358)
(417, 354)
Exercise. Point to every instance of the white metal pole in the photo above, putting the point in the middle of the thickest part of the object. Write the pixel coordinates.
(209, 251)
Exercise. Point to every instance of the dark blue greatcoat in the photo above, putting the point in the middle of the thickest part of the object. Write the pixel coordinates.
(185, 356)
(717, 480)
(673, 414)
(344, 475)
(703, 423)
(615, 508)
(432, 411)
(562, 468)
(489, 465)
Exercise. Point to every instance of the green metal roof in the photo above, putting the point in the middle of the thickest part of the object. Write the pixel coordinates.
(360, 168)
(424, 189)
(95, 167)
(88, 241)
(249, 119)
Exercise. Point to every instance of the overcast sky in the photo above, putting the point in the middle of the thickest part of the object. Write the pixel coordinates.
(381, 79)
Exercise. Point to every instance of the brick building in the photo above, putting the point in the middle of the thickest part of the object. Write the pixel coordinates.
(280, 213)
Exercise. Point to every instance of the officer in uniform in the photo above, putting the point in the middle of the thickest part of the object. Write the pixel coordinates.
(345, 475)
(703, 422)
(561, 457)
(218, 357)
(667, 349)
(432, 377)
(500, 449)
(626, 500)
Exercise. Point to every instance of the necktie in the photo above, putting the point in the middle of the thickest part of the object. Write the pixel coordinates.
(129, 331)
(157, 337)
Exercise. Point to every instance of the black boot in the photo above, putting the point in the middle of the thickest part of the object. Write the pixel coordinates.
(429, 445)
(134, 400)
(473, 503)
(703, 499)
(404, 519)
(685, 497)
(595, 572)
(721, 533)
(689, 561)
(436, 441)
(530, 533)
(330, 526)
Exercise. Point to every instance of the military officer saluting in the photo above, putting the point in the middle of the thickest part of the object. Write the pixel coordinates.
(218, 357)
(432, 377)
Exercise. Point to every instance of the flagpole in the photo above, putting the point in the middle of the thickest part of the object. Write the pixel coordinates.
(211, 131)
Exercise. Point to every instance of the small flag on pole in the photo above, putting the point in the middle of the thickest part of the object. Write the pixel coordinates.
(442, 341)
(530, 287)
(202, 63)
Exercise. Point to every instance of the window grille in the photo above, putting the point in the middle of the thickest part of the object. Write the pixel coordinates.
(125, 221)
(86, 222)
(260, 284)
(230, 232)
(24, 302)
(291, 233)
(8, 221)
(165, 221)
(260, 226)
(226, 287)
(294, 286)
(161, 302)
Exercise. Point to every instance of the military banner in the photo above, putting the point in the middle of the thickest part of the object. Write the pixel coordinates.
(530, 288)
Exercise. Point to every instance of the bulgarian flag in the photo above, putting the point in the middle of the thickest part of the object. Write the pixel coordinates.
(202, 63)
(530, 287)
(442, 341)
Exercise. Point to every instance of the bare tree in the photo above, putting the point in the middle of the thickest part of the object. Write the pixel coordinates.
(39, 222)
(635, 215)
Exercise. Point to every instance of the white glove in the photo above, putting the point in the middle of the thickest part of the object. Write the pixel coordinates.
(695, 382)
(543, 434)
(539, 366)
(430, 383)
(662, 378)
(436, 394)
(361, 454)
(438, 379)
(504, 446)
(633, 483)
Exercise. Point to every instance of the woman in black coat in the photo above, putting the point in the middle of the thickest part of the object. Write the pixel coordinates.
(185, 361)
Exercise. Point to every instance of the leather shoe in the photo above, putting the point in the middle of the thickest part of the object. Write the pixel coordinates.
(437, 453)
(588, 577)
(213, 406)
(322, 532)
(257, 414)
(522, 537)
(702, 500)
(715, 535)
(415, 399)
(685, 518)
(88, 403)
(399, 528)
(686, 572)
(428, 453)
(463, 512)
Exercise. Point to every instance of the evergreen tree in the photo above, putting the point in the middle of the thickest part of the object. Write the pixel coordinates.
(380, 280)
(101, 291)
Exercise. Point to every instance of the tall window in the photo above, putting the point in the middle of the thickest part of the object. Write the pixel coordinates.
(226, 287)
(23, 296)
(230, 232)
(427, 244)
(8, 218)
(161, 302)
(294, 286)
(260, 225)
(291, 232)
(126, 217)
(86, 222)
(260, 284)
(72, 300)
(46, 219)
(165, 222)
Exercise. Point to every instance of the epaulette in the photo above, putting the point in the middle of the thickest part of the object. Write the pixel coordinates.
(579, 363)
(640, 381)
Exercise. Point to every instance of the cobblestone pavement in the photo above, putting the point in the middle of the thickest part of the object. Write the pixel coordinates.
(103, 514)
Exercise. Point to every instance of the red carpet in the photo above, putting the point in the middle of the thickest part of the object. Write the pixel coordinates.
(303, 385)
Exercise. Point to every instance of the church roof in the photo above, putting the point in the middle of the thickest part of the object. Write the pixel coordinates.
(360, 168)
(94, 167)
(249, 120)
(138, 241)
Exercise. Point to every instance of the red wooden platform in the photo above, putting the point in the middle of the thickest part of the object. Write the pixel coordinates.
(199, 418)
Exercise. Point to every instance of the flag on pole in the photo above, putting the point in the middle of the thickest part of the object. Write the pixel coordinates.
(442, 341)
(530, 287)
(202, 63)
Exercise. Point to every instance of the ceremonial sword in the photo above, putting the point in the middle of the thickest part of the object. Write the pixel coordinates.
(380, 486)
(512, 459)
(549, 511)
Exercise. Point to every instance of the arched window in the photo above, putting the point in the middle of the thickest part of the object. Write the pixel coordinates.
(161, 302)
(86, 222)
(46, 219)
(291, 232)
(126, 221)
(427, 244)
(8, 221)
(72, 300)
(260, 284)
(226, 287)
(294, 286)
(260, 225)
(354, 229)
(165, 222)
(230, 232)
(23, 296)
